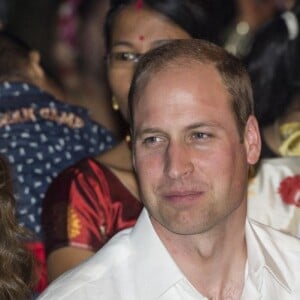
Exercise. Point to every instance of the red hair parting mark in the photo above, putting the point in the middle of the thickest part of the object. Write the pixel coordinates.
(139, 4)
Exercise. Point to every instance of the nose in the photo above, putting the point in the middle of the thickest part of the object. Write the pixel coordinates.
(178, 161)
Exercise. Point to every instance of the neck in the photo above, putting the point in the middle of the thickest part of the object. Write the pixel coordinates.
(119, 157)
(213, 261)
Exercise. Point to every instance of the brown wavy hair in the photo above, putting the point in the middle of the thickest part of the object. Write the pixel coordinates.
(17, 266)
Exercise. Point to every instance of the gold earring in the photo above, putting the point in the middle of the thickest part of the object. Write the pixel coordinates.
(115, 103)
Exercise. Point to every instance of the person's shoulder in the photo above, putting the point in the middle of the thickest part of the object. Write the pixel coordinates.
(100, 276)
(87, 169)
(85, 166)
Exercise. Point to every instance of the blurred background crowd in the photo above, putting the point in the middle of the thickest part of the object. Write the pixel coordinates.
(65, 71)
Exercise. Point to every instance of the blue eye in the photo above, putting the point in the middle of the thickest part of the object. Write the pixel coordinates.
(152, 141)
(200, 135)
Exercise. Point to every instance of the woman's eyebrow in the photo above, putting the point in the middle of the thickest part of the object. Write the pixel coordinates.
(121, 43)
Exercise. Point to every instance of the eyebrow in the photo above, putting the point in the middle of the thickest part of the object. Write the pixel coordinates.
(154, 44)
(121, 43)
(147, 131)
(190, 127)
(204, 124)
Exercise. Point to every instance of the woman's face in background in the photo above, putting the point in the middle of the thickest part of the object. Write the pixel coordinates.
(134, 32)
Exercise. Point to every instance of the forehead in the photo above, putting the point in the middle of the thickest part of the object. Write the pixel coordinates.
(193, 77)
(195, 89)
(132, 22)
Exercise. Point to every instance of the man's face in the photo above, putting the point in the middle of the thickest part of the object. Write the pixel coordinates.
(191, 165)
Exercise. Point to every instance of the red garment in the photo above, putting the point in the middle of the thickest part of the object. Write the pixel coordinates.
(85, 206)
(38, 251)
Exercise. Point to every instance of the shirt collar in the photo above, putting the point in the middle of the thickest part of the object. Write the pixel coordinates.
(153, 277)
(264, 256)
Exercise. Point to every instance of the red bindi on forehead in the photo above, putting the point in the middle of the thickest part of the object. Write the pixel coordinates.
(141, 37)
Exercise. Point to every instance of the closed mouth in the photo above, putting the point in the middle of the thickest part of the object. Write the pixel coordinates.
(182, 196)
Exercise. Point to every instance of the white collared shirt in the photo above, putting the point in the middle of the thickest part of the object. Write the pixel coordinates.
(135, 265)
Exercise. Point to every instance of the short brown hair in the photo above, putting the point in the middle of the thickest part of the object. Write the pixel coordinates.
(230, 68)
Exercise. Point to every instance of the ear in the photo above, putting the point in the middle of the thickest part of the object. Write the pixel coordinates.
(36, 71)
(252, 140)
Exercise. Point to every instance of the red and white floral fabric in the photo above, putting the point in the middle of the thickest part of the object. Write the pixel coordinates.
(274, 194)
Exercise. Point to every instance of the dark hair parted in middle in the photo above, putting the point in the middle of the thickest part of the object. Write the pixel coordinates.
(186, 53)
(190, 15)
